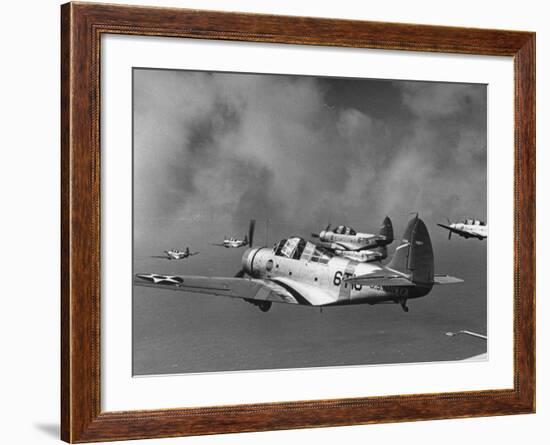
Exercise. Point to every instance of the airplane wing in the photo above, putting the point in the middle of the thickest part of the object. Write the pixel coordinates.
(277, 290)
(305, 293)
(458, 231)
(218, 244)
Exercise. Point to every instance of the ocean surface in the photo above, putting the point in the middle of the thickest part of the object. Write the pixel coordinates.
(180, 332)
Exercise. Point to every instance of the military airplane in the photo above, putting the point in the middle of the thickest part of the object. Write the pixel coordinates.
(235, 242)
(345, 241)
(175, 254)
(364, 256)
(296, 271)
(470, 228)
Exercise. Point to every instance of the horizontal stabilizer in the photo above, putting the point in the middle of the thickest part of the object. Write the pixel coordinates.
(380, 280)
(397, 280)
(446, 279)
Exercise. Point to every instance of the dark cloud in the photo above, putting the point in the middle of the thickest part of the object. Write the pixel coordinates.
(303, 150)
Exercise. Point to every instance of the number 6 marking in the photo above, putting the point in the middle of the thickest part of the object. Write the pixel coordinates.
(337, 278)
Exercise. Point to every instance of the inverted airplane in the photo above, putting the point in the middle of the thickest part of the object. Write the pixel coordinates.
(176, 254)
(235, 242)
(470, 228)
(298, 272)
(363, 247)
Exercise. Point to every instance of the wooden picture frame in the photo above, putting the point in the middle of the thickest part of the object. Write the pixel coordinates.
(82, 26)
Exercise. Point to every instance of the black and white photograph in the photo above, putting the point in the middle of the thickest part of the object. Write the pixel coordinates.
(290, 221)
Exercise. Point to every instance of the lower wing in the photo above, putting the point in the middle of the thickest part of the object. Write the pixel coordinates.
(457, 231)
(277, 291)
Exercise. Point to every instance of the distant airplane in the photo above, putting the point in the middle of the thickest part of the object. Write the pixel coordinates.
(175, 254)
(477, 357)
(295, 271)
(465, 332)
(235, 242)
(470, 228)
(363, 247)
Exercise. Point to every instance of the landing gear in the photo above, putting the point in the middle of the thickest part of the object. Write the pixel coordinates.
(264, 306)
(404, 306)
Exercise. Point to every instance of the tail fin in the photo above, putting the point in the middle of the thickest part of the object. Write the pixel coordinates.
(414, 256)
(387, 230)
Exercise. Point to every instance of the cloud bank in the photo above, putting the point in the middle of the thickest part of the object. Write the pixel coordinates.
(301, 151)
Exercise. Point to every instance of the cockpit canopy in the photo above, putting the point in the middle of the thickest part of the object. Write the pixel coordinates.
(344, 230)
(474, 222)
(297, 248)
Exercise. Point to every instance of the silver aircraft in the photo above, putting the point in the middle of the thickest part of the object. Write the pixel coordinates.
(363, 256)
(363, 247)
(469, 228)
(296, 271)
(176, 254)
(235, 242)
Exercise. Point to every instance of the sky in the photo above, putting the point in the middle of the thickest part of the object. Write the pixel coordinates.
(302, 151)
(214, 150)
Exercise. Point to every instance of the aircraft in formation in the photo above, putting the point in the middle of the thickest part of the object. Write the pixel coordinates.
(469, 228)
(176, 254)
(344, 241)
(299, 272)
(235, 242)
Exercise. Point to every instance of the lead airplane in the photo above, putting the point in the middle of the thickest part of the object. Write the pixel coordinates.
(235, 242)
(363, 247)
(470, 228)
(176, 254)
(296, 271)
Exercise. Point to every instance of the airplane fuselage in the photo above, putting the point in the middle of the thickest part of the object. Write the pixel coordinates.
(176, 255)
(358, 241)
(362, 256)
(328, 276)
(234, 243)
(474, 230)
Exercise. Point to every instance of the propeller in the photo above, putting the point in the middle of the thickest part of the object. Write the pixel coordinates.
(251, 227)
(250, 238)
(450, 231)
(317, 235)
